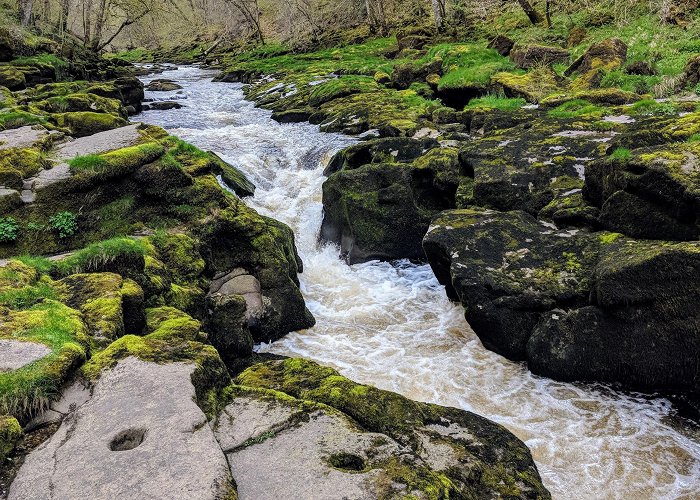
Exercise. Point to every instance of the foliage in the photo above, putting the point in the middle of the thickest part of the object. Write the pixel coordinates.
(64, 223)
(8, 230)
(497, 101)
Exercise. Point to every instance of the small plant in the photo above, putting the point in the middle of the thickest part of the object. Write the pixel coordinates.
(694, 138)
(65, 223)
(8, 230)
(650, 107)
(577, 108)
(621, 154)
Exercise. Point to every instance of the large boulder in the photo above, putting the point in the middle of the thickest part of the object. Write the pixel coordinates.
(691, 73)
(575, 305)
(362, 441)
(382, 210)
(648, 193)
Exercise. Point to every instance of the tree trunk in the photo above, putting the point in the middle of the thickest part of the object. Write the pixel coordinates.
(439, 13)
(25, 11)
(532, 14)
(548, 13)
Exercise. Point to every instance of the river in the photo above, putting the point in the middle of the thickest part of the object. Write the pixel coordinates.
(391, 325)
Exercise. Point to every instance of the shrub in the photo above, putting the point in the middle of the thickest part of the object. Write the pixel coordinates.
(65, 223)
(8, 230)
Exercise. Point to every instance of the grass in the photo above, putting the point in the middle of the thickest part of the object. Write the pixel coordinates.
(650, 107)
(468, 64)
(497, 101)
(94, 256)
(578, 108)
(16, 119)
(621, 154)
(28, 390)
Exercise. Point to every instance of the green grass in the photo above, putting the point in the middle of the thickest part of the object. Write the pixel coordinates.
(467, 64)
(16, 119)
(621, 154)
(498, 101)
(95, 255)
(650, 107)
(28, 390)
(578, 108)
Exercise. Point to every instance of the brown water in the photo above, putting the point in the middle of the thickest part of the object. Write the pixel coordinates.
(392, 325)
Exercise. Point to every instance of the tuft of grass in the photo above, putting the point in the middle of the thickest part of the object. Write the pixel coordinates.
(497, 101)
(96, 255)
(650, 107)
(16, 119)
(578, 108)
(621, 154)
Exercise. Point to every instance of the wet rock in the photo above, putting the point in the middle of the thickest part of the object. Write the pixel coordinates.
(140, 414)
(128, 90)
(297, 408)
(575, 305)
(531, 56)
(163, 85)
(501, 44)
(233, 177)
(396, 149)
(162, 106)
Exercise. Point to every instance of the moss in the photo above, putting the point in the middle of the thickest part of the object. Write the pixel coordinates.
(608, 238)
(417, 481)
(115, 163)
(81, 102)
(10, 435)
(180, 253)
(578, 108)
(12, 78)
(28, 390)
(84, 123)
(532, 86)
(109, 254)
(496, 101)
(17, 164)
(16, 119)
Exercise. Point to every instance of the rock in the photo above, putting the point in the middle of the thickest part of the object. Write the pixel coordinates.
(99, 143)
(87, 123)
(233, 177)
(501, 44)
(600, 58)
(651, 194)
(15, 354)
(575, 305)
(691, 73)
(382, 210)
(395, 149)
(128, 90)
(413, 37)
(531, 56)
(295, 408)
(641, 68)
(532, 86)
(162, 106)
(576, 36)
(12, 78)
(140, 414)
(24, 137)
(163, 85)
(403, 75)
(7, 45)
(292, 115)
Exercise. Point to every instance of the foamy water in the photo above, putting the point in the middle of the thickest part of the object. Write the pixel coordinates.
(392, 326)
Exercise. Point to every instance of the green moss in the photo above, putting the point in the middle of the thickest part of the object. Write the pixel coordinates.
(84, 123)
(28, 390)
(115, 163)
(16, 119)
(650, 107)
(578, 108)
(95, 256)
(608, 238)
(620, 154)
(10, 434)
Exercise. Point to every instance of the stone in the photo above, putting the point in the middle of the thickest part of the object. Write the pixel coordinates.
(162, 85)
(501, 44)
(691, 73)
(531, 56)
(642, 68)
(140, 435)
(162, 106)
(600, 58)
(15, 354)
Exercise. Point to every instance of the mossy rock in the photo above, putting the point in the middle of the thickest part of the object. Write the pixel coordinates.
(498, 465)
(533, 86)
(80, 102)
(12, 78)
(10, 434)
(17, 164)
(233, 177)
(85, 123)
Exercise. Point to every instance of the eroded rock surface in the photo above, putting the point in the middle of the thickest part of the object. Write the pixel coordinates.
(15, 354)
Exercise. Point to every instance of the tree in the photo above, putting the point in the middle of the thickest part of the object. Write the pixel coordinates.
(534, 16)
(438, 13)
(376, 16)
(25, 11)
(250, 11)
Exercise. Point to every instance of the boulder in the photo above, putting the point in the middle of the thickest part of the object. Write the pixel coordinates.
(10, 436)
(649, 193)
(12, 78)
(162, 106)
(7, 45)
(532, 56)
(363, 441)
(532, 86)
(602, 57)
(642, 68)
(140, 414)
(691, 73)
(575, 305)
(163, 85)
(501, 44)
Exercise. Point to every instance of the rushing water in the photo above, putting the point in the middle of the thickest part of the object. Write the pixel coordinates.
(392, 326)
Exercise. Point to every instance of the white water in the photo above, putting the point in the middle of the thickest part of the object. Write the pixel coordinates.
(392, 325)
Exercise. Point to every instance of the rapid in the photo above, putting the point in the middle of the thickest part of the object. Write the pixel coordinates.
(392, 326)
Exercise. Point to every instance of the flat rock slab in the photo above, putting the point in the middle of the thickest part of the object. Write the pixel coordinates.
(278, 451)
(99, 143)
(22, 137)
(15, 354)
(140, 435)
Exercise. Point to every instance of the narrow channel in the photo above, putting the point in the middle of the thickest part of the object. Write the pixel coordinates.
(391, 325)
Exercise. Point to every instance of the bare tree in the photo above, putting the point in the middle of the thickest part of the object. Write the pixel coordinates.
(25, 11)
(534, 16)
(376, 16)
(250, 11)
